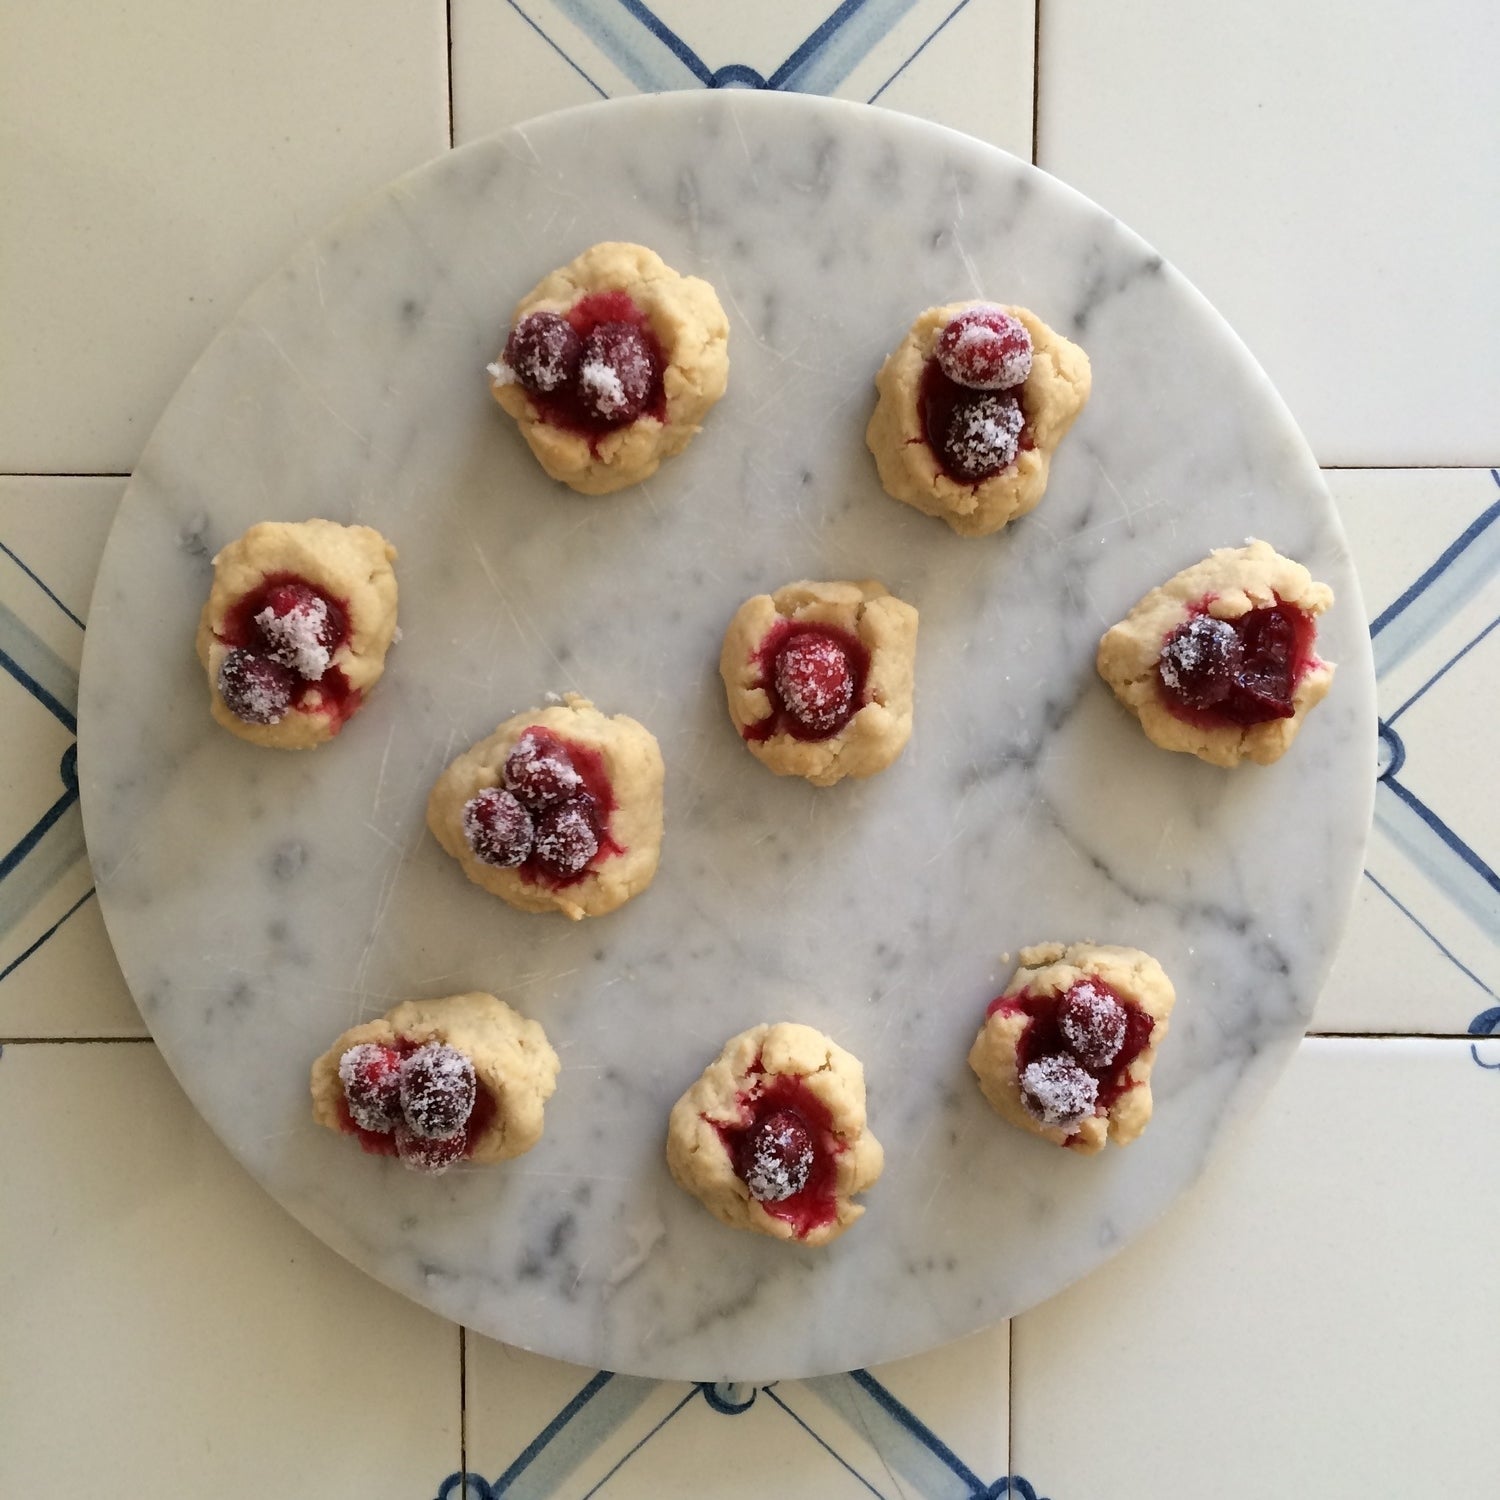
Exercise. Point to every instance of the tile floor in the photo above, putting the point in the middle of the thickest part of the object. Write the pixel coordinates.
(1316, 1316)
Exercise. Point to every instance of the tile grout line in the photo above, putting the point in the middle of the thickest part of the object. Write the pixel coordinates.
(1036, 75)
(74, 1041)
(463, 1409)
(1010, 1392)
(62, 474)
(448, 25)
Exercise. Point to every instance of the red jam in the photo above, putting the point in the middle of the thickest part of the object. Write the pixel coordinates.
(328, 693)
(816, 1202)
(939, 401)
(1244, 671)
(807, 659)
(589, 764)
(570, 406)
(378, 1144)
(1044, 1037)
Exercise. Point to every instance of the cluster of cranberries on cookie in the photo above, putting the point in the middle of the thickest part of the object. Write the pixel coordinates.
(819, 678)
(1221, 661)
(434, 1082)
(773, 1137)
(295, 630)
(560, 809)
(1066, 1051)
(972, 404)
(611, 365)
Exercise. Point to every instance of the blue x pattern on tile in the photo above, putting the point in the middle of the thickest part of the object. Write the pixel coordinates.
(911, 1458)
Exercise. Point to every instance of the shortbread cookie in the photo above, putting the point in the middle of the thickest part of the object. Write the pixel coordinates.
(1220, 661)
(611, 365)
(435, 1082)
(973, 402)
(560, 809)
(819, 678)
(773, 1137)
(295, 630)
(1066, 1052)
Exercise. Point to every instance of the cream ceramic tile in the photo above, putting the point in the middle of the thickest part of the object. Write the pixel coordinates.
(935, 1426)
(58, 975)
(1423, 951)
(1317, 1318)
(159, 159)
(169, 1332)
(1326, 176)
(967, 66)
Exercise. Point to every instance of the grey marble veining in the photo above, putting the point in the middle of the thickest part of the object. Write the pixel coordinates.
(260, 903)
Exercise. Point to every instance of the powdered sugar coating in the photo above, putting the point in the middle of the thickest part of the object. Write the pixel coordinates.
(371, 1079)
(778, 1157)
(542, 353)
(297, 639)
(985, 349)
(983, 436)
(815, 682)
(255, 688)
(616, 373)
(498, 828)
(1058, 1092)
(437, 1091)
(1093, 1021)
(539, 771)
(566, 838)
(430, 1154)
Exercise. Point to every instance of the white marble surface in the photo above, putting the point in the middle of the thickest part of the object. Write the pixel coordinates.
(260, 903)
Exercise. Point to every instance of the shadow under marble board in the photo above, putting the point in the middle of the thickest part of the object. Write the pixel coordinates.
(260, 902)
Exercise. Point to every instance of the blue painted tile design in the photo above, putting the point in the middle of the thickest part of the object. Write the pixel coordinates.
(656, 58)
(51, 848)
(1448, 865)
(915, 1461)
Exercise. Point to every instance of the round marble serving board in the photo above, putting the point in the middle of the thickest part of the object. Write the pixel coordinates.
(261, 902)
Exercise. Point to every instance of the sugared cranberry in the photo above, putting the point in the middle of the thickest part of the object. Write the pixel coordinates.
(616, 373)
(983, 436)
(255, 688)
(430, 1154)
(1264, 687)
(1199, 662)
(776, 1156)
(1093, 1023)
(566, 838)
(544, 352)
(498, 829)
(371, 1076)
(815, 681)
(299, 629)
(985, 349)
(437, 1091)
(1057, 1091)
(539, 771)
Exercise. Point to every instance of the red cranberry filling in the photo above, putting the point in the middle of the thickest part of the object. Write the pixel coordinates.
(1241, 671)
(437, 1091)
(283, 636)
(255, 688)
(616, 373)
(776, 1156)
(498, 828)
(371, 1076)
(1090, 1032)
(778, 1114)
(434, 1086)
(566, 839)
(614, 377)
(814, 676)
(544, 352)
(985, 349)
(974, 435)
(551, 819)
